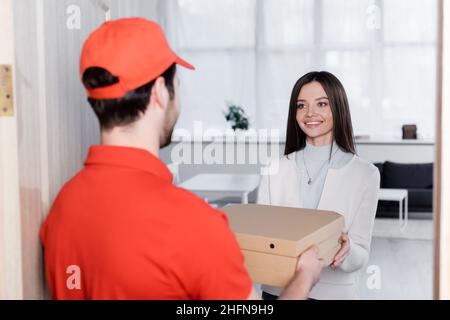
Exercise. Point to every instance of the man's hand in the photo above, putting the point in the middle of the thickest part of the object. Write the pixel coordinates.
(310, 264)
(309, 267)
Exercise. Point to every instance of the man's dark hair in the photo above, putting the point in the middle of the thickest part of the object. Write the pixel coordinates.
(126, 110)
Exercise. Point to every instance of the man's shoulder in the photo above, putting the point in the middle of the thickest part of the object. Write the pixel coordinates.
(193, 205)
(69, 189)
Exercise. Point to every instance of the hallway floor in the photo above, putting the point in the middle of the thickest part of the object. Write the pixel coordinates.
(405, 260)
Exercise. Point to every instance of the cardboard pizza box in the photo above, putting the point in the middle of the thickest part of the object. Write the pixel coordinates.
(273, 237)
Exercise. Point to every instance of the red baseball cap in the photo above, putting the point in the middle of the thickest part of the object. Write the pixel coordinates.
(133, 49)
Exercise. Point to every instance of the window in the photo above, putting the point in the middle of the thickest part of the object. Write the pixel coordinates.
(251, 52)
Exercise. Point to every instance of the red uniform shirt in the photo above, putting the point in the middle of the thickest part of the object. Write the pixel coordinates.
(121, 230)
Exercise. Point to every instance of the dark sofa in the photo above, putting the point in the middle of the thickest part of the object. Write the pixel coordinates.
(417, 179)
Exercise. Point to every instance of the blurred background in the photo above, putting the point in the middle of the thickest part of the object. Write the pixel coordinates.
(249, 54)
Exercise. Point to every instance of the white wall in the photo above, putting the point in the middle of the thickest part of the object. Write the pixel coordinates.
(397, 151)
(55, 125)
(10, 246)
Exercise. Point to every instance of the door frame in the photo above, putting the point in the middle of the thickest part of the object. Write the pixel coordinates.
(441, 274)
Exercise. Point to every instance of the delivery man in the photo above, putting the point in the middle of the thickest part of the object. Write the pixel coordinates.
(120, 229)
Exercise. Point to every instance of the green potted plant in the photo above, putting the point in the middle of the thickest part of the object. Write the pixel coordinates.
(236, 116)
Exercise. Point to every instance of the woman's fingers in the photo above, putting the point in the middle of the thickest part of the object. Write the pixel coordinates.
(338, 262)
(343, 251)
(344, 237)
(340, 257)
(339, 254)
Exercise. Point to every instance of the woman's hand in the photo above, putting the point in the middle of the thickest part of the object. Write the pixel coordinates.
(343, 251)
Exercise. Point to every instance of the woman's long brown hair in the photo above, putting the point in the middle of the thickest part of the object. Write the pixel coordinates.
(342, 122)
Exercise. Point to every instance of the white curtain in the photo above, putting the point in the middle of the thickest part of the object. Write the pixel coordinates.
(251, 52)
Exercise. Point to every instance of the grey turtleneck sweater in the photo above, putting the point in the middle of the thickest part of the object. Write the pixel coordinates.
(316, 161)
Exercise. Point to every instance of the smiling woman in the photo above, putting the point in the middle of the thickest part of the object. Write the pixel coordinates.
(319, 111)
(314, 115)
(320, 170)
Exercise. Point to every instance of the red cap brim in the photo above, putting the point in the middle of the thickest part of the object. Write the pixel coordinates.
(183, 63)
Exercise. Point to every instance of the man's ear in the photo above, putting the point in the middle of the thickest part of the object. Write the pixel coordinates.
(160, 94)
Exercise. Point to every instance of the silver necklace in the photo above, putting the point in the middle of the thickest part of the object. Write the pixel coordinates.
(310, 180)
